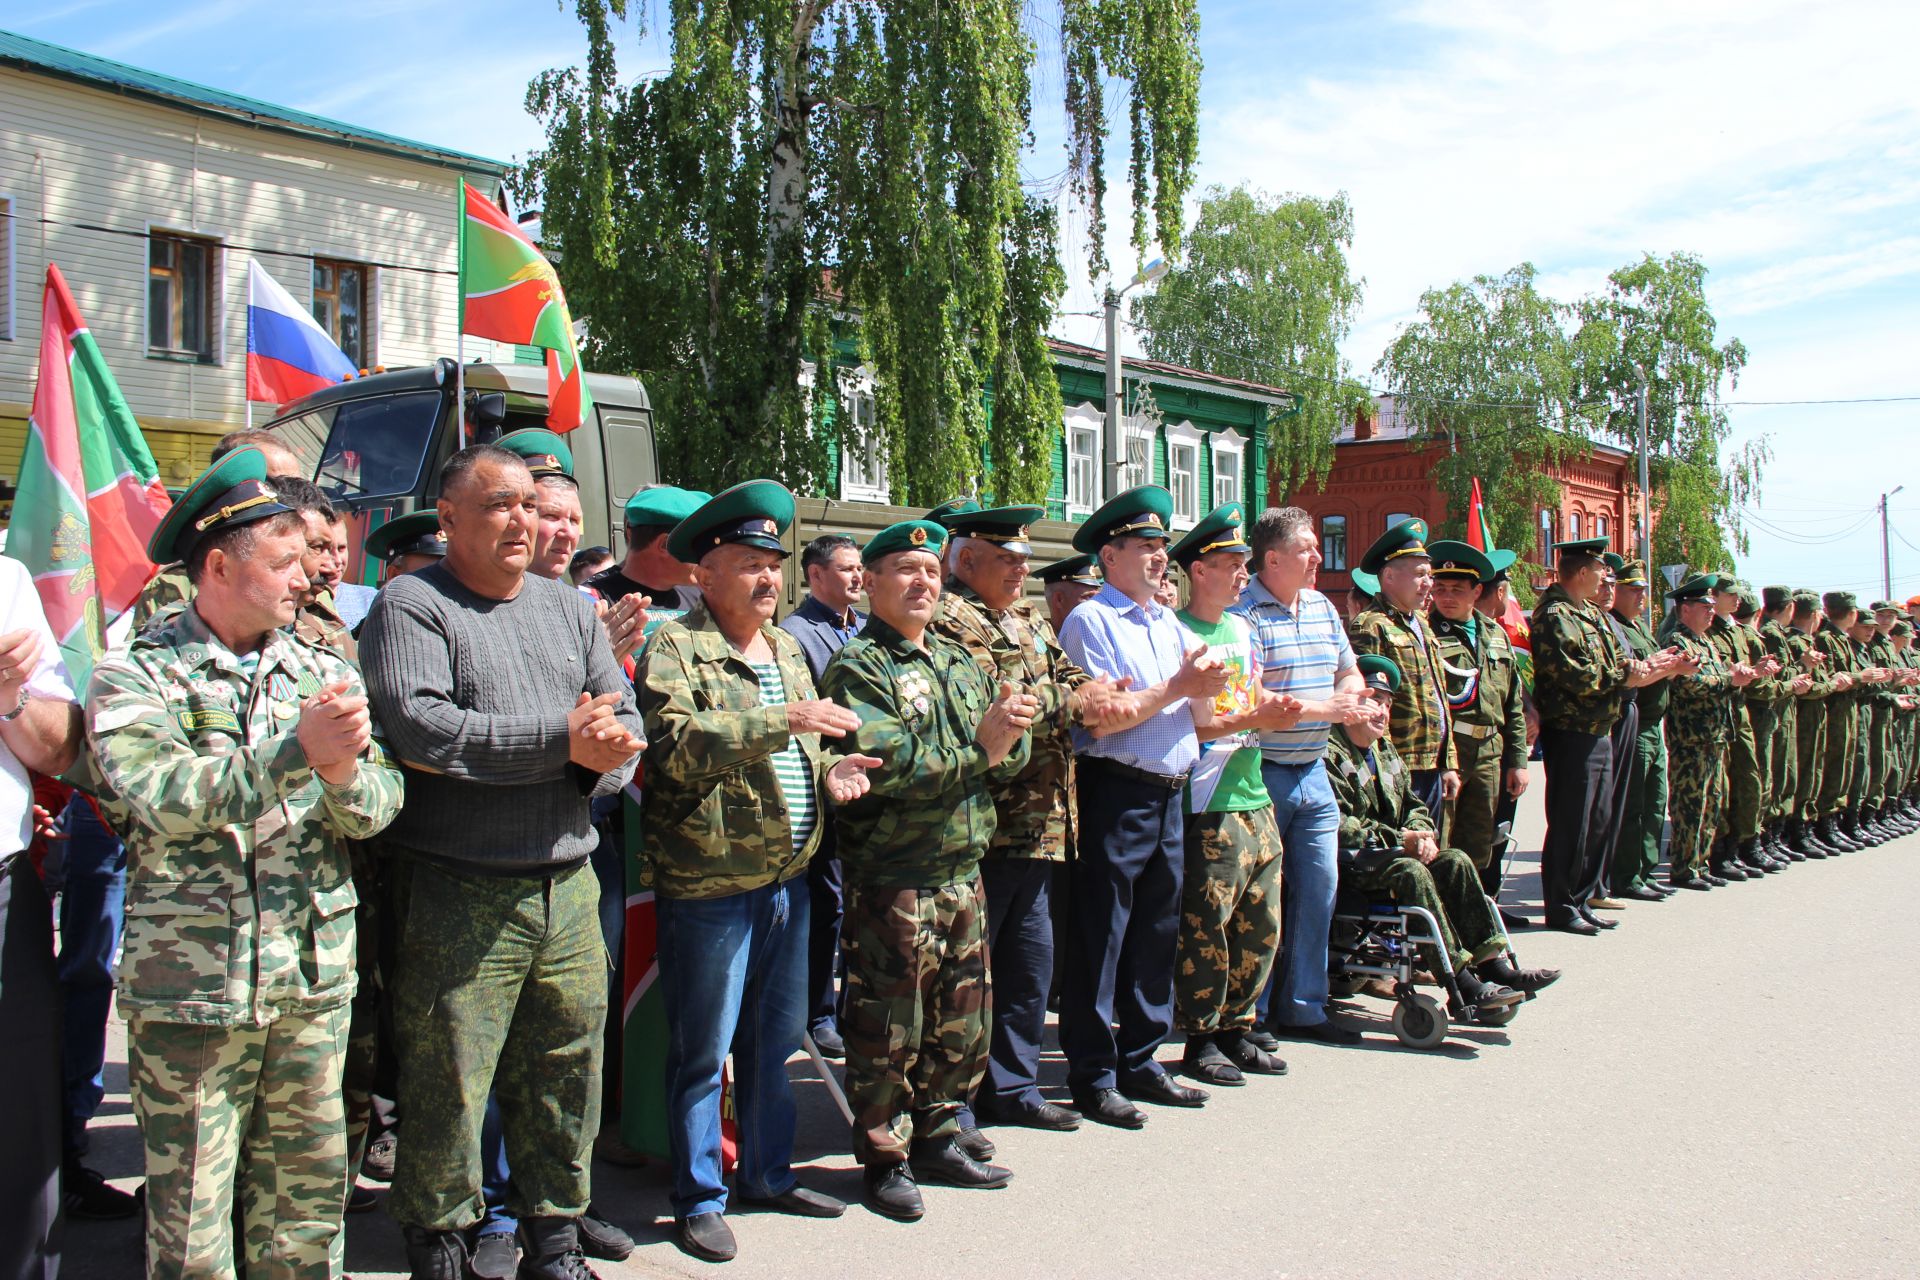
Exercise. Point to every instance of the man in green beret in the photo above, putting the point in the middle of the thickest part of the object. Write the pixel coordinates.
(1838, 613)
(650, 569)
(1388, 841)
(1810, 716)
(1484, 699)
(938, 734)
(1735, 852)
(236, 759)
(1636, 856)
(1776, 716)
(1699, 726)
(1068, 582)
(736, 786)
(1395, 625)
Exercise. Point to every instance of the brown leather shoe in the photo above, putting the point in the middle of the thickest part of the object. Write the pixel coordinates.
(1606, 904)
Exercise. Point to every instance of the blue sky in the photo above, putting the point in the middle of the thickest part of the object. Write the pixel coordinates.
(1778, 140)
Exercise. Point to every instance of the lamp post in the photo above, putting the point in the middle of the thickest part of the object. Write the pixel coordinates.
(1116, 443)
(1886, 551)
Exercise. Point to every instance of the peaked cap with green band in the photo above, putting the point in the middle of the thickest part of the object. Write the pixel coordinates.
(1142, 512)
(544, 452)
(1453, 559)
(1080, 569)
(951, 507)
(1379, 671)
(1365, 581)
(1698, 587)
(1631, 573)
(1222, 529)
(1502, 562)
(1005, 527)
(908, 535)
(753, 513)
(668, 504)
(1408, 538)
(1614, 561)
(417, 533)
(1580, 547)
(232, 492)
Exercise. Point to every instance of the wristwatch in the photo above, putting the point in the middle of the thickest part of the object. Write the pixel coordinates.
(26, 696)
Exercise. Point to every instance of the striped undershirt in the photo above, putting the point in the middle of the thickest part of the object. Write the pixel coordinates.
(790, 763)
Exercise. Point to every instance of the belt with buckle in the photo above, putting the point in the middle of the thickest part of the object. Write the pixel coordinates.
(1170, 781)
(1475, 731)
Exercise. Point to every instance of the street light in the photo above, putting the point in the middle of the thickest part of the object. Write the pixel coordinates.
(1116, 446)
(1886, 552)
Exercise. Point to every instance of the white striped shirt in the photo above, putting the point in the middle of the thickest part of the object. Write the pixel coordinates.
(1302, 649)
(789, 763)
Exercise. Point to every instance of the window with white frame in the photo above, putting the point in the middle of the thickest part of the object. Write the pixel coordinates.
(1139, 437)
(1573, 527)
(863, 454)
(1083, 426)
(1183, 472)
(1229, 451)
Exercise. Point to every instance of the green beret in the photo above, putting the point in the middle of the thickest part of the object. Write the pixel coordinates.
(1580, 547)
(753, 513)
(1005, 527)
(1221, 529)
(1140, 513)
(1885, 606)
(908, 535)
(667, 504)
(1775, 598)
(417, 533)
(1631, 573)
(1805, 599)
(1365, 581)
(1408, 538)
(1834, 603)
(1502, 562)
(544, 452)
(1380, 672)
(232, 492)
(1698, 587)
(1459, 560)
(1080, 569)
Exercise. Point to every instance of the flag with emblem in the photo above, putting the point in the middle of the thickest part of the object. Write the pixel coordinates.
(509, 292)
(89, 495)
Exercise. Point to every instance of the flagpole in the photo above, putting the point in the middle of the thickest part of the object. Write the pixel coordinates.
(460, 309)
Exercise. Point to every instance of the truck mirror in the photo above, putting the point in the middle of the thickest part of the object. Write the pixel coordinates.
(487, 411)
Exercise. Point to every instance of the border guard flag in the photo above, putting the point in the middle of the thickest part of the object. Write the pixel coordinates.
(288, 354)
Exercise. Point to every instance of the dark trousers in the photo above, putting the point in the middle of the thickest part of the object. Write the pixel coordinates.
(1626, 730)
(30, 1221)
(93, 892)
(1504, 812)
(1020, 965)
(1116, 1001)
(1579, 789)
(1428, 791)
(825, 894)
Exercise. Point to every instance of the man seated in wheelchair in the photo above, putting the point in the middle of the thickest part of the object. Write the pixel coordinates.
(1388, 849)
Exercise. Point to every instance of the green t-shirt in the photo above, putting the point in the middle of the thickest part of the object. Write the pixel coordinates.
(1240, 787)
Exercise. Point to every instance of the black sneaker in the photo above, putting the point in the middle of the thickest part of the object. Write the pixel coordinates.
(601, 1239)
(88, 1196)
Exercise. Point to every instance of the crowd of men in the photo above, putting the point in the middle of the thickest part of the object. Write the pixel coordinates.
(364, 881)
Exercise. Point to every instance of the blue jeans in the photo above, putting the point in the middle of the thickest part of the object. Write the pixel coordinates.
(494, 1174)
(1309, 822)
(733, 971)
(92, 903)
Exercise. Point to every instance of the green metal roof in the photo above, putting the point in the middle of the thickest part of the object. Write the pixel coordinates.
(28, 54)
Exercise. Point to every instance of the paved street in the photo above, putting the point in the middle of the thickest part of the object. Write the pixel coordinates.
(1712, 1090)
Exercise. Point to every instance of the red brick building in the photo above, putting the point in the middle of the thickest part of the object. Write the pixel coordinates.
(1382, 475)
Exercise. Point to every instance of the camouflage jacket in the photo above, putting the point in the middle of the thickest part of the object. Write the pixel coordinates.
(1578, 667)
(1418, 721)
(319, 624)
(1034, 812)
(239, 903)
(1878, 652)
(166, 591)
(1654, 698)
(1375, 796)
(1798, 643)
(1736, 645)
(930, 814)
(1701, 712)
(1492, 697)
(1776, 641)
(1843, 656)
(714, 819)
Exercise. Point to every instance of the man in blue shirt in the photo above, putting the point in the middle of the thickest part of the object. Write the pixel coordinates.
(1116, 996)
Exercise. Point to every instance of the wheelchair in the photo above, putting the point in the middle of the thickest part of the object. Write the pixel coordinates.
(1375, 937)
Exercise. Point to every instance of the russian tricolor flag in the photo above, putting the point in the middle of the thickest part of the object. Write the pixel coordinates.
(288, 354)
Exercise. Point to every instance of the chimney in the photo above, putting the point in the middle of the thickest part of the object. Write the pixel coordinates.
(1362, 424)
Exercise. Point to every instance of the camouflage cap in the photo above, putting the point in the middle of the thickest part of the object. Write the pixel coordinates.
(1834, 603)
(1407, 538)
(1806, 599)
(1775, 598)
(1141, 512)
(232, 492)
(908, 535)
(417, 533)
(1901, 627)
(1885, 606)
(1379, 671)
(1746, 600)
(1459, 560)
(544, 452)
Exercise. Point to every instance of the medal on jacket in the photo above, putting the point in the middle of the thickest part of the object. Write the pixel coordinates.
(284, 691)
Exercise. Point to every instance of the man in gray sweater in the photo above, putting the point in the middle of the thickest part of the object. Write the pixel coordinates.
(506, 709)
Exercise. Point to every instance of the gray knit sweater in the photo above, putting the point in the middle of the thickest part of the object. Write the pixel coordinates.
(472, 695)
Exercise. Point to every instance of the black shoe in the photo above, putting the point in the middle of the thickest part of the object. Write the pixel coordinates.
(826, 1038)
(88, 1196)
(1514, 920)
(1665, 891)
(1042, 1115)
(976, 1144)
(1328, 1032)
(1598, 922)
(1728, 872)
(377, 1164)
(601, 1239)
(943, 1161)
(1165, 1090)
(496, 1256)
(801, 1202)
(892, 1193)
(1204, 1060)
(1576, 924)
(1501, 970)
(1262, 1039)
(706, 1236)
(1693, 882)
(1109, 1106)
(1641, 893)
(435, 1255)
(1717, 882)
(1240, 1048)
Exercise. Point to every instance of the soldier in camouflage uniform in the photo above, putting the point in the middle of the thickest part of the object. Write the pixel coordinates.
(1395, 626)
(1878, 804)
(1636, 858)
(1388, 847)
(1779, 712)
(1810, 716)
(1873, 718)
(1906, 721)
(1700, 724)
(1735, 855)
(1837, 771)
(914, 933)
(237, 759)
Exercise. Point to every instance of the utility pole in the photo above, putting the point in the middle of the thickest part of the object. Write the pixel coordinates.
(1116, 443)
(1646, 539)
(1886, 549)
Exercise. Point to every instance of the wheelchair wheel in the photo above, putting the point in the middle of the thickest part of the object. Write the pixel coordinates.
(1343, 985)
(1419, 1021)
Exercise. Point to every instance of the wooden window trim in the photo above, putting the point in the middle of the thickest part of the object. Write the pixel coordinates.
(209, 300)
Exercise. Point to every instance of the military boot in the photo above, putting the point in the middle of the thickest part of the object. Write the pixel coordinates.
(435, 1255)
(550, 1250)
(1777, 846)
(1752, 855)
(1830, 836)
(1801, 840)
(1721, 861)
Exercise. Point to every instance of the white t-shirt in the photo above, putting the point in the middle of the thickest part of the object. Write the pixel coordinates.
(19, 610)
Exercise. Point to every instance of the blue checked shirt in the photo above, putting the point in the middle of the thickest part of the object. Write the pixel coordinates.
(1110, 635)
(1302, 651)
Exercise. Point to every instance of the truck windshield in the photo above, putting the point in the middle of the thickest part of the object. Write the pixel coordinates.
(368, 448)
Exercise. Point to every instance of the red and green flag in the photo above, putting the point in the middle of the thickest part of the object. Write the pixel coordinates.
(1477, 521)
(509, 292)
(89, 494)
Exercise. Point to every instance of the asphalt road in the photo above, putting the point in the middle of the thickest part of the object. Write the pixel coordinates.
(1711, 1090)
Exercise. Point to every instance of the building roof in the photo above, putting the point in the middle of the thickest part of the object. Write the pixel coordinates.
(1392, 422)
(37, 56)
(1075, 353)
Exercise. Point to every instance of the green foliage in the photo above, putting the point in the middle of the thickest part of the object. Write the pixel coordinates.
(801, 149)
(1264, 294)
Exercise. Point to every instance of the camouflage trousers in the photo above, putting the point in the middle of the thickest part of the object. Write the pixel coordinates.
(362, 1069)
(1449, 888)
(502, 988)
(1229, 919)
(249, 1110)
(918, 1012)
(1637, 856)
(1470, 815)
(1764, 720)
(1810, 735)
(1836, 772)
(1871, 790)
(1783, 789)
(1696, 794)
(1740, 815)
